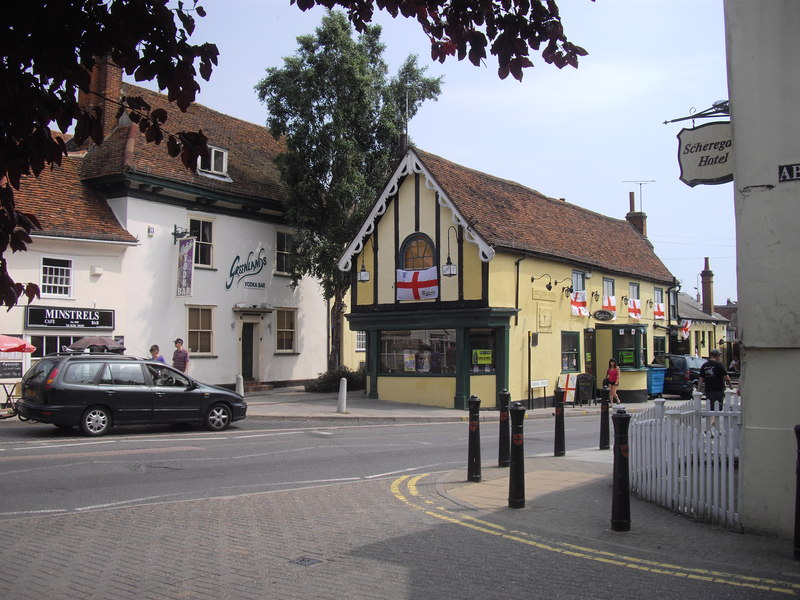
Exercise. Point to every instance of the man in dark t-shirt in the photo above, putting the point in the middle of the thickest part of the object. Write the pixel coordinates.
(180, 358)
(714, 378)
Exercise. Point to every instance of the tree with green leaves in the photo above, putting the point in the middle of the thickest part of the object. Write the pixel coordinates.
(341, 118)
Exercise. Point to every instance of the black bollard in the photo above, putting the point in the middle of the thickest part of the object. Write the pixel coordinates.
(558, 440)
(516, 475)
(502, 456)
(604, 445)
(797, 498)
(620, 498)
(474, 453)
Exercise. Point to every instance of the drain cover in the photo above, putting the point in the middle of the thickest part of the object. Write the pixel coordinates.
(304, 561)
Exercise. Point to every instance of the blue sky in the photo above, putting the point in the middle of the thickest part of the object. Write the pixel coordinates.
(576, 134)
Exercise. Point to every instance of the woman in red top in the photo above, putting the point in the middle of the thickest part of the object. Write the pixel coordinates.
(613, 381)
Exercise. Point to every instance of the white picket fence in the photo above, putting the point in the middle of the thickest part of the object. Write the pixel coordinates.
(685, 458)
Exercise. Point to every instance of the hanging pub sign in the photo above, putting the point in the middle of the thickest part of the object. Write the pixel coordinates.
(56, 317)
(185, 266)
(705, 154)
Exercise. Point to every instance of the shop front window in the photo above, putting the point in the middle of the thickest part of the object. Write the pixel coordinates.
(630, 347)
(482, 351)
(570, 352)
(418, 351)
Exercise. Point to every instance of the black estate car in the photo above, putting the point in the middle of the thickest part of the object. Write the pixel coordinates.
(682, 374)
(98, 391)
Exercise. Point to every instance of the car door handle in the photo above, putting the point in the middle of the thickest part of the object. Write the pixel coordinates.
(111, 393)
(161, 394)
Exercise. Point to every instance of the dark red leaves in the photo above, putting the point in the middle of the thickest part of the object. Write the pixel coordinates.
(464, 28)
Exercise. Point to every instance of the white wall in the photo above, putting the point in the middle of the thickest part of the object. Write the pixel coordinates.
(89, 291)
(763, 49)
(157, 315)
(139, 283)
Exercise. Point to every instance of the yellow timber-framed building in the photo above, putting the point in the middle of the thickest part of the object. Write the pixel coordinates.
(467, 284)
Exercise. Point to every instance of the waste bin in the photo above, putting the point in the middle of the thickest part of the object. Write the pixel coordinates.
(655, 381)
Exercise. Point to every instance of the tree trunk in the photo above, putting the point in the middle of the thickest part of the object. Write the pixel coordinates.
(337, 312)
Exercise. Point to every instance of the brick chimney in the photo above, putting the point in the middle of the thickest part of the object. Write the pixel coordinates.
(105, 82)
(707, 283)
(637, 219)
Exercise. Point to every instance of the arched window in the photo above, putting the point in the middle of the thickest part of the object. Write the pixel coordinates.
(417, 252)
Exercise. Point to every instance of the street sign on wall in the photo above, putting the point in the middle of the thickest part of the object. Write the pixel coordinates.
(705, 154)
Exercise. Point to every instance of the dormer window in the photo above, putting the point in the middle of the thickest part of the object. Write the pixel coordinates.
(216, 163)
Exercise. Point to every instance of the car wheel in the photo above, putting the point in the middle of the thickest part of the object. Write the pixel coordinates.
(218, 417)
(96, 421)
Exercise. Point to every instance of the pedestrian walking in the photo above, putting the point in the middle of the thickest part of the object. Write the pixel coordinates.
(180, 358)
(154, 354)
(713, 380)
(612, 377)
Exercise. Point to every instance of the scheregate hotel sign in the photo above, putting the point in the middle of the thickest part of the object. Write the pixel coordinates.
(705, 154)
(242, 269)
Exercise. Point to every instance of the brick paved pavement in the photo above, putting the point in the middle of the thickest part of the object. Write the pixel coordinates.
(449, 539)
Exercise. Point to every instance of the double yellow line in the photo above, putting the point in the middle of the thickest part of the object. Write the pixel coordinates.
(406, 490)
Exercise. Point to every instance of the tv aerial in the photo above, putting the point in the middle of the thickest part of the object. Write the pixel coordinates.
(640, 182)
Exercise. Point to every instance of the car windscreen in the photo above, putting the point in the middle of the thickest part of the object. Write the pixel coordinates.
(694, 362)
(675, 362)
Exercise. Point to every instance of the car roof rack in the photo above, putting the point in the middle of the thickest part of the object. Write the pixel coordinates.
(113, 355)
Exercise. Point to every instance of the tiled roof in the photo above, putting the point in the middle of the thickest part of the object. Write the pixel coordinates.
(251, 151)
(691, 309)
(511, 216)
(66, 207)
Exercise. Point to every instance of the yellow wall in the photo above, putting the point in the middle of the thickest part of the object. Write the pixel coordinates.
(429, 391)
(485, 388)
(547, 312)
(470, 271)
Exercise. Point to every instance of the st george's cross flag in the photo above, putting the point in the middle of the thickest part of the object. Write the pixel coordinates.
(686, 325)
(610, 304)
(577, 303)
(659, 311)
(634, 308)
(417, 285)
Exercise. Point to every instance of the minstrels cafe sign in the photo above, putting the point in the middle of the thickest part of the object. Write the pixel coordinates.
(705, 154)
(54, 317)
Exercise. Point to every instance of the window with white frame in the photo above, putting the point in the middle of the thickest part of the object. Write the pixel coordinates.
(578, 281)
(608, 286)
(361, 341)
(216, 162)
(283, 252)
(658, 295)
(285, 329)
(201, 329)
(673, 305)
(56, 277)
(202, 231)
(633, 291)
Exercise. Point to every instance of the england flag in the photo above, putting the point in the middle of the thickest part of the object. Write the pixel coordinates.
(418, 285)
